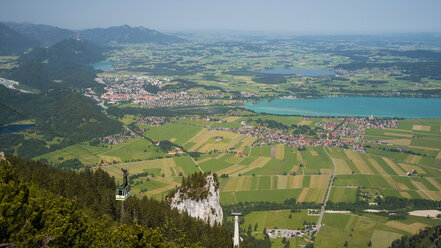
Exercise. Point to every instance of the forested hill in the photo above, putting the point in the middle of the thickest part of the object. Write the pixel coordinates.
(71, 50)
(42, 205)
(126, 34)
(45, 34)
(14, 43)
(62, 65)
(429, 237)
(71, 116)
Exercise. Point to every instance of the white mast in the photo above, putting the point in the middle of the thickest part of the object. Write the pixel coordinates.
(236, 229)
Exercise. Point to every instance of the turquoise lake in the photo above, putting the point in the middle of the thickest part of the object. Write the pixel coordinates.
(351, 106)
(300, 72)
(103, 65)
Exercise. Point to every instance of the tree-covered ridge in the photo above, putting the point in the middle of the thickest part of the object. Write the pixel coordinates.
(94, 192)
(69, 115)
(195, 186)
(429, 237)
(14, 43)
(75, 50)
(127, 35)
(45, 34)
(32, 217)
(62, 65)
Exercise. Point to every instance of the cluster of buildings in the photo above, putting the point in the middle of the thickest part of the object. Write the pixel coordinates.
(352, 127)
(134, 90)
(271, 136)
(174, 99)
(247, 94)
(348, 73)
(176, 151)
(411, 173)
(122, 137)
(156, 121)
(335, 133)
(372, 122)
(145, 91)
(150, 92)
(89, 92)
(283, 233)
(133, 80)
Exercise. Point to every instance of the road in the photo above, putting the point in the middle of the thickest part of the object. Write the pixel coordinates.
(328, 192)
(197, 165)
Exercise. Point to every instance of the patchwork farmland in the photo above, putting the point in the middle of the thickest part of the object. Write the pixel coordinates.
(250, 171)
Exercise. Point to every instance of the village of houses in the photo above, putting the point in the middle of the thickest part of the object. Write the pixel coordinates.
(344, 134)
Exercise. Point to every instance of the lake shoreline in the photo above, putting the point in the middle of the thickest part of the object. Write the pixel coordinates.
(349, 106)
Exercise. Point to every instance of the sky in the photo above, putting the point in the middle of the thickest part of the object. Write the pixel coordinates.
(294, 16)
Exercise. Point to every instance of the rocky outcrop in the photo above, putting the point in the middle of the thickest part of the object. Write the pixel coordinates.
(199, 201)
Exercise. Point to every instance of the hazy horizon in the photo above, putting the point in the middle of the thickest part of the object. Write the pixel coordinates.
(280, 16)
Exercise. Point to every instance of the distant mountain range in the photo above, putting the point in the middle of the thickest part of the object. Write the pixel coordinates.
(126, 34)
(46, 35)
(65, 61)
(15, 38)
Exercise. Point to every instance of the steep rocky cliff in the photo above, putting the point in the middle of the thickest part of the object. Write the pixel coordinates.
(199, 197)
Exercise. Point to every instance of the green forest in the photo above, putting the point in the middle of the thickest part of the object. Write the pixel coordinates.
(42, 205)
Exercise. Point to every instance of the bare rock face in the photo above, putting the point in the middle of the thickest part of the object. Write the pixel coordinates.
(200, 202)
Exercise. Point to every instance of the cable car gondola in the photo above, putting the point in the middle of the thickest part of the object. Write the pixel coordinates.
(123, 190)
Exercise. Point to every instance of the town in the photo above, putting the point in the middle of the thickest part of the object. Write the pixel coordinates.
(149, 92)
(344, 134)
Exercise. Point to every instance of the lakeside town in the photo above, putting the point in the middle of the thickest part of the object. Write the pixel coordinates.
(153, 92)
(344, 134)
(150, 92)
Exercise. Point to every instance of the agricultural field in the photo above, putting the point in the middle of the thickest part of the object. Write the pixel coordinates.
(250, 169)
(213, 140)
(277, 172)
(175, 132)
(343, 194)
(422, 137)
(282, 219)
(279, 196)
(358, 230)
(131, 150)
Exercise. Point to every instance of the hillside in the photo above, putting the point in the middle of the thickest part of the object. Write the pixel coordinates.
(146, 222)
(32, 216)
(14, 43)
(44, 34)
(126, 34)
(429, 237)
(68, 115)
(68, 50)
(75, 50)
(64, 64)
